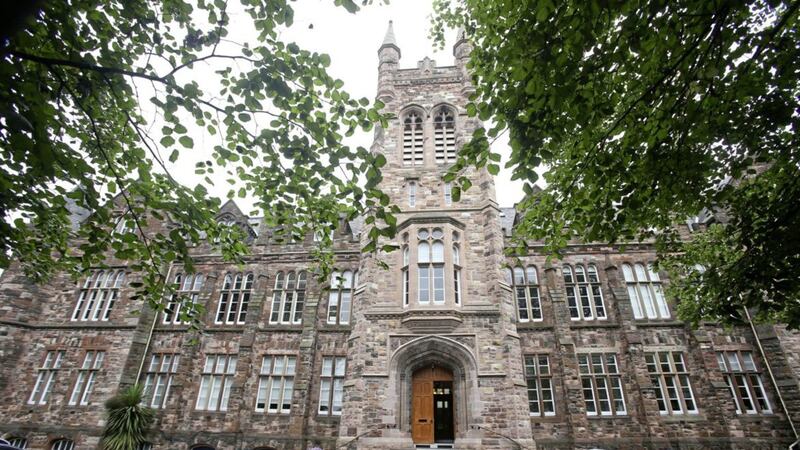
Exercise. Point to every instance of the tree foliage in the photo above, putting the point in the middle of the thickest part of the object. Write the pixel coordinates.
(128, 420)
(644, 113)
(84, 83)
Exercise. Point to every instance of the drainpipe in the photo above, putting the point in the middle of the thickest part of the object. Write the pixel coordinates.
(152, 327)
(772, 377)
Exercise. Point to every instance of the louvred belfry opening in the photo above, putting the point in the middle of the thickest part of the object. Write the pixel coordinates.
(412, 140)
(444, 136)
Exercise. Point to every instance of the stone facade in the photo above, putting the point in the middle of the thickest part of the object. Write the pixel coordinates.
(476, 330)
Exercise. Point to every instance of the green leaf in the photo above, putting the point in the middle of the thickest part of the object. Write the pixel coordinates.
(167, 141)
(186, 141)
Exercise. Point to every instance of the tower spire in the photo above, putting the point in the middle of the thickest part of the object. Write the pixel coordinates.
(389, 40)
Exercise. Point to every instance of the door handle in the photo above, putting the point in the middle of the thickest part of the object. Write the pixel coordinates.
(422, 420)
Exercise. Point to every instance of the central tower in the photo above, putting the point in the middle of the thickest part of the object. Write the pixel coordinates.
(433, 356)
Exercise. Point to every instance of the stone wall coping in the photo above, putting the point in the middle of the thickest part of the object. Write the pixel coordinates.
(644, 323)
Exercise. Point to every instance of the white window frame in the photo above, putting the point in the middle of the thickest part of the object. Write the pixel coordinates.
(406, 277)
(331, 385)
(86, 378)
(670, 377)
(288, 298)
(645, 291)
(584, 292)
(187, 291)
(431, 287)
(159, 377)
(601, 382)
(340, 297)
(63, 444)
(215, 382)
(457, 281)
(744, 382)
(524, 284)
(18, 442)
(234, 298)
(46, 377)
(98, 295)
(448, 193)
(539, 380)
(276, 384)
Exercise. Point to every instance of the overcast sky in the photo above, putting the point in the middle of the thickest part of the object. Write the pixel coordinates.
(352, 41)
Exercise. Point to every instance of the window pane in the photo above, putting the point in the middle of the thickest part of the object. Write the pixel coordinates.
(530, 272)
(423, 252)
(627, 272)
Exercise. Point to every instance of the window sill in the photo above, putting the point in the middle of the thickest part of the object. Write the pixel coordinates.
(620, 417)
(679, 418)
(756, 417)
(330, 327)
(208, 414)
(540, 325)
(657, 323)
(593, 324)
(272, 415)
(281, 327)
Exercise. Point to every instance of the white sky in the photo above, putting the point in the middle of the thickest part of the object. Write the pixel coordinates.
(352, 41)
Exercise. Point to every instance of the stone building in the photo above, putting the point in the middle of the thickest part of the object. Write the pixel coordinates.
(453, 346)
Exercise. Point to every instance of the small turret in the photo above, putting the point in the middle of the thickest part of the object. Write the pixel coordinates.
(461, 50)
(389, 52)
(388, 60)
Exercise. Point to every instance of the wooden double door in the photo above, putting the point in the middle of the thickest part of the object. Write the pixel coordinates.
(432, 406)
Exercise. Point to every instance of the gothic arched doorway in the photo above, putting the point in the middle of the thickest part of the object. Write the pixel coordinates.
(432, 405)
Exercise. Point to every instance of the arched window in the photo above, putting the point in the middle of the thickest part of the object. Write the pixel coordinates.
(430, 259)
(412, 193)
(159, 377)
(98, 295)
(340, 297)
(18, 442)
(62, 444)
(584, 297)
(203, 447)
(87, 374)
(456, 273)
(187, 289)
(444, 135)
(645, 291)
(288, 298)
(125, 224)
(46, 377)
(412, 139)
(216, 382)
(234, 298)
(525, 284)
(276, 383)
(406, 281)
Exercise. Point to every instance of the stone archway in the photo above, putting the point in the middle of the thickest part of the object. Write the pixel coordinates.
(442, 352)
